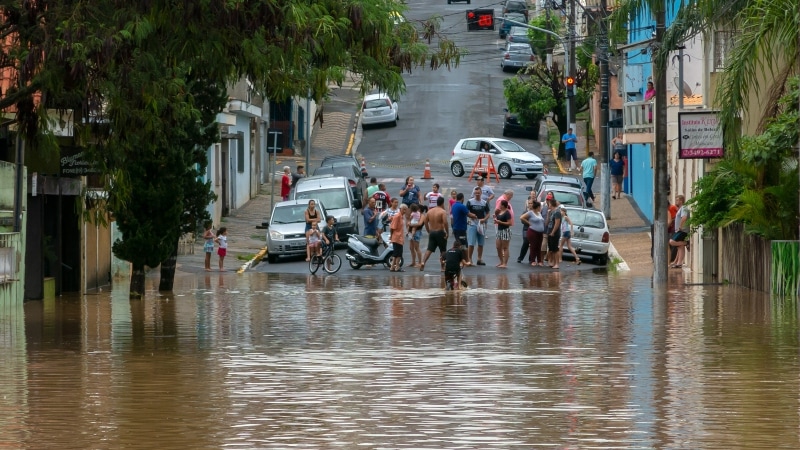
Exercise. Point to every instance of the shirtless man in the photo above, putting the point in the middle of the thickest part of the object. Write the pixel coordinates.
(437, 227)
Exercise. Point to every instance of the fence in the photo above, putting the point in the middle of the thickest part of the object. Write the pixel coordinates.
(745, 260)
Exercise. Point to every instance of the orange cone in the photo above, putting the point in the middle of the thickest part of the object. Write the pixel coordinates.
(363, 167)
(427, 174)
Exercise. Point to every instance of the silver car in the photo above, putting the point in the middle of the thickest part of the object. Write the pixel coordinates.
(590, 235)
(516, 56)
(286, 233)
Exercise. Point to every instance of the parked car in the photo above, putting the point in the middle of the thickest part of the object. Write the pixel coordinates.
(336, 195)
(511, 126)
(548, 180)
(518, 35)
(377, 109)
(590, 235)
(453, 1)
(328, 160)
(345, 168)
(505, 26)
(508, 157)
(516, 6)
(567, 196)
(516, 57)
(286, 230)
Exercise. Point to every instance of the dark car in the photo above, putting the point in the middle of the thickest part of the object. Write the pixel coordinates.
(328, 160)
(453, 1)
(517, 17)
(516, 6)
(511, 126)
(346, 168)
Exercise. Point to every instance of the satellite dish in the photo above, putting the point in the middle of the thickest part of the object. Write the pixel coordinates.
(687, 91)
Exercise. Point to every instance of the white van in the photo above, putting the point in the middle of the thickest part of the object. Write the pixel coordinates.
(336, 196)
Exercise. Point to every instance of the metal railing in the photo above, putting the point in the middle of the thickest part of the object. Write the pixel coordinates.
(10, 244)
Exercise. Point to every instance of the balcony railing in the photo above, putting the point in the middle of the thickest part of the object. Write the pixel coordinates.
(638, 122)
(9, 248)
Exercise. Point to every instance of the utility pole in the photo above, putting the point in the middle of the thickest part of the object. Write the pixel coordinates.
(571, 65)
(605, 173)
(660, 183)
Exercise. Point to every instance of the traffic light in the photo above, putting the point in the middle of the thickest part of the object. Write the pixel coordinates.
(480, 19)
(570, 82)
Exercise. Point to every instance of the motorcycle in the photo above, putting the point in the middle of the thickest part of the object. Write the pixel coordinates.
(363, 251)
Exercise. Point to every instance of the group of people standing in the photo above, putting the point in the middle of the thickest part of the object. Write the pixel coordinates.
(467, 219)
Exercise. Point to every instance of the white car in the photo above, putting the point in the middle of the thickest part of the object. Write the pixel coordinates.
(377, 109)
(508, 157)
(589, 234)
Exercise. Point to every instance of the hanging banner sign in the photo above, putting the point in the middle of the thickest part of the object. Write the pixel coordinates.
(700, 135)
(74, 162)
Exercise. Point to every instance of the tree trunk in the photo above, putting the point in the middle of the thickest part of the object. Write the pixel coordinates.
(137, 281)
(168, 271)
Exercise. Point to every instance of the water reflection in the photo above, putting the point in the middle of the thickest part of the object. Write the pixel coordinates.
(275, 361)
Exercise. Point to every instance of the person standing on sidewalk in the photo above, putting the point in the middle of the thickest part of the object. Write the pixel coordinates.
(570, 150)
(617, 168)
(286, 183)
(373, 187)
(208, 246)
(679, 239)
(300, 173)
(535, 232)
(590, 168)
(222, 242)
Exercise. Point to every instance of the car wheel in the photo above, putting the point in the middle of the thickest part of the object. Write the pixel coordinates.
(457, 169)
(394, 124)
(530, 177)
(602, 259)
(272, 259)
(505, 132)
(504, 171)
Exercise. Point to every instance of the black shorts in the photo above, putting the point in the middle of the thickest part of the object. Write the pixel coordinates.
(437, 239)
(397, 250)
(680, 236)
(552, 242)
(451, 275)
(461, 235)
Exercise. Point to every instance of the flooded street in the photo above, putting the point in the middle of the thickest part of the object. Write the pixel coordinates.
(289, 361)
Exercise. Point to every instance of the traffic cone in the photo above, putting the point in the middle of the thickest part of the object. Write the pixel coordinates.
(363, 167)
(427, 174)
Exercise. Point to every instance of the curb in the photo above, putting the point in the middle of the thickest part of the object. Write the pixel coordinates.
(256, 259)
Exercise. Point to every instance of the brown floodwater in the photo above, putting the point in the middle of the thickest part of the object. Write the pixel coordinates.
(586, 360)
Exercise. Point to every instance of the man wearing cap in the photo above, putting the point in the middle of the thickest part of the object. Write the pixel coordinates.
(476, 227)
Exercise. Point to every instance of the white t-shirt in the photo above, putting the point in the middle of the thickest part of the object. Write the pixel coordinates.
(223, 241)
(432, 198)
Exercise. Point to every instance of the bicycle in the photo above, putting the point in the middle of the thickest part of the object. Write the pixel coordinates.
(329, 261)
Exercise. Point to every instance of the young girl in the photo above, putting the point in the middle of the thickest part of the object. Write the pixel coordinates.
(315, 241)
(312, 219)
(222, 241)
(566, 236)
(208, 246)
(415, 231)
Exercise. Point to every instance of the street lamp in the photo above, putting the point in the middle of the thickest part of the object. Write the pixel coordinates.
(566, 53)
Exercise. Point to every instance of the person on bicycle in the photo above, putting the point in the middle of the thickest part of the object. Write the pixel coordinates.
(329, 234)
(454, 258)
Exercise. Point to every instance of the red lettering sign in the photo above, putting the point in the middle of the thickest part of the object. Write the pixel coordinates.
(485, 20)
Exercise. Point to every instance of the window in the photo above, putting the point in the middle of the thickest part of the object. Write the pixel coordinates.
(240, 153)
(723, 44)
(8, 264)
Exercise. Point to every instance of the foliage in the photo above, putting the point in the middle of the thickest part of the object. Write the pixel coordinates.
(542, 91)
(539, 39)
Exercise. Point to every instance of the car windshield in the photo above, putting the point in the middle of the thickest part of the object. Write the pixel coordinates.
(547, 184)
(567, 198)
(586, 218)
(376, 103)
(331, 198)
(508, 146)
(343, 171)
(290, 214)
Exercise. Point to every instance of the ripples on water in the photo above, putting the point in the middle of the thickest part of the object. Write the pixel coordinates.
(270, 361)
